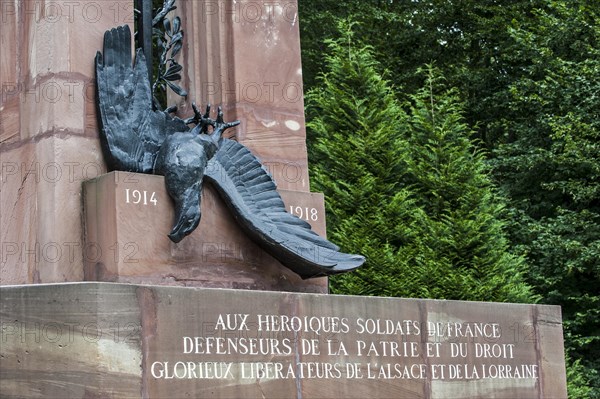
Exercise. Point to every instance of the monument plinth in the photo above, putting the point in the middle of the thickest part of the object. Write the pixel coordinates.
(128, 217)
(117, 340)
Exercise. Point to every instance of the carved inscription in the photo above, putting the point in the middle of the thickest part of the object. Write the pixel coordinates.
(306, 213)
(268, 346)
(141, 197)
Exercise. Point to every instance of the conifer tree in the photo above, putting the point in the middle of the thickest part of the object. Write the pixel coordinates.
(527, 71)
(408, 192)
(356, 155)
(464, 250)
(550, 168)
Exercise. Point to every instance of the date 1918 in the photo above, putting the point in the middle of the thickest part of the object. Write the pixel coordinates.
(306, 213)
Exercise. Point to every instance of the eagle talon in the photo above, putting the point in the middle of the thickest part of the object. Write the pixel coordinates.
(218, 125)
(199, 119)
(171, 110)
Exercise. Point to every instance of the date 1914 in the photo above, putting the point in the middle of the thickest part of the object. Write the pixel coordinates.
(138, 197)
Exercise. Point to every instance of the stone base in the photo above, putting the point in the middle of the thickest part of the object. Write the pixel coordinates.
(48, 132)
(129, 215)
(107, 340)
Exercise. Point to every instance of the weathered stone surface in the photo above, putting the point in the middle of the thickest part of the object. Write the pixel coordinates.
(70, 341)
(128, 217)
(114, 340)
(246, 56)
(47, 63)
(41, 208)
(48, 145)
(9, 88)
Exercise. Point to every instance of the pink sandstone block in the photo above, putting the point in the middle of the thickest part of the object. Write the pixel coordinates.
(128, 217)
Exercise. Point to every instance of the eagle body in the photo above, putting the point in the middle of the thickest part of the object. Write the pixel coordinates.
(137, 138)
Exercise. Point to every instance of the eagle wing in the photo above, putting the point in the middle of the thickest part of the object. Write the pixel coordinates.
(251, 195)
(131, 131)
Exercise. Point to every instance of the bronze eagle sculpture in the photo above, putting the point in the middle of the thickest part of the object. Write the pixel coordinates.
(137, 138)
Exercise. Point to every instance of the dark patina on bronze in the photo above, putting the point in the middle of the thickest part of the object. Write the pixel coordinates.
(138, 137)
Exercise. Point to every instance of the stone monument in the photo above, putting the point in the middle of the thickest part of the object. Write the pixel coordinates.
(97, 302)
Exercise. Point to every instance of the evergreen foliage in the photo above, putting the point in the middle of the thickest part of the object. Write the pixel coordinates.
(550, 167)
(526, 74)
(357, 159)
(462, 235)
(406, 190)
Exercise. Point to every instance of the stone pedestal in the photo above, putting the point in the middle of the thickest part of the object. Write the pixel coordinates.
(129, 215)
(106, 340)
(242, 54)
(48, 132)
